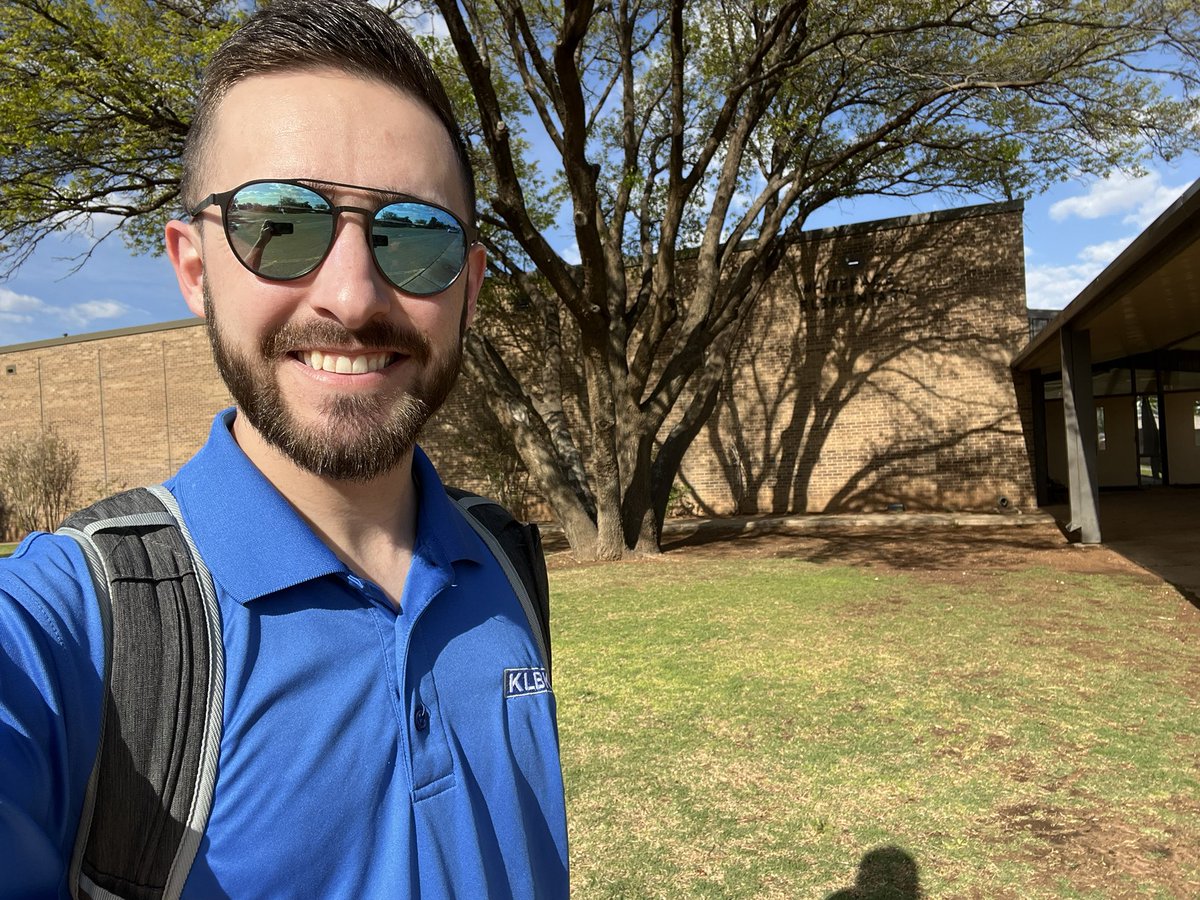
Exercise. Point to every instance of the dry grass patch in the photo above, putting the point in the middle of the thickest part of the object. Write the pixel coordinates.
(765, 725)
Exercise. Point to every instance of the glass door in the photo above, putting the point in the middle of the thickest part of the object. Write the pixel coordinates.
(1149, 439)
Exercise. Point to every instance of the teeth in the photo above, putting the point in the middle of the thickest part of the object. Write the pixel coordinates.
(344, 365)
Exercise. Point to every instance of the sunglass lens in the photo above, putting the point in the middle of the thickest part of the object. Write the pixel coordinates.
(279, 230)
(419, 247)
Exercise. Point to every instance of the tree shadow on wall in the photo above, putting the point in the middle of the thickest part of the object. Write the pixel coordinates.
(886, 873)
(892, 328)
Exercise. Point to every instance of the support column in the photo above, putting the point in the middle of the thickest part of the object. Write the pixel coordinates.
(1079, 409)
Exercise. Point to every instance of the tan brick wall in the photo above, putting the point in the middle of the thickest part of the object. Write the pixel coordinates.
(887, 380)
(135, 406)
(852, 386)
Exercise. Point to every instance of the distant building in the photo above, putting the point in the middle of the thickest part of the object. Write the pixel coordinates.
(1039, 319)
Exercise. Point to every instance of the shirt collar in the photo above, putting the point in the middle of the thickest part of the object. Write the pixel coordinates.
(255, 543)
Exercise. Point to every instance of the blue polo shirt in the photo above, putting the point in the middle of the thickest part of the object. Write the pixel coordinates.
(366, 752)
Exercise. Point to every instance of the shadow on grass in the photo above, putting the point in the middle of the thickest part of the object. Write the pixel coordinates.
(900, 549)
(885, 873)
(1155, 528)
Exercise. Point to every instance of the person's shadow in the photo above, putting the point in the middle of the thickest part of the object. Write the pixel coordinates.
(886, 873)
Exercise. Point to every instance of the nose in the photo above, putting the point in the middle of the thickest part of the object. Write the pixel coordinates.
(349, 288)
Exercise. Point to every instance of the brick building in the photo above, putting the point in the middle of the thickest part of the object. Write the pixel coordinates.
(876, 370)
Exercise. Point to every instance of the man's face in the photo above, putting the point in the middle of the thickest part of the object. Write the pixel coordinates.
(284, 348)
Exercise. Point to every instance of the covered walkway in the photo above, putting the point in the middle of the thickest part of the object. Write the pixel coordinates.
(1115, 384)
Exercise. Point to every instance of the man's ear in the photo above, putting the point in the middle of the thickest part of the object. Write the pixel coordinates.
(476, 269)
(186, 252)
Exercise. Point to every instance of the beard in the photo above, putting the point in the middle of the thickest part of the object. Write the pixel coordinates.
(358, 437)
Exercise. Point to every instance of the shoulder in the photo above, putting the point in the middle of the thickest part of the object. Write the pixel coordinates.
(51, 628)
(46, 586)
(51, 688)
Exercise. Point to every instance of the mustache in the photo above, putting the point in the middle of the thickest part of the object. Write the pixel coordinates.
(375, 335)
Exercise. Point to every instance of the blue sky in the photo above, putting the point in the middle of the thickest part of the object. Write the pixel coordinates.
(1071, 233)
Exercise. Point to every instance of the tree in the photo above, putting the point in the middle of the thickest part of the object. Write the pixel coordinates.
(95, 101)
(695, 140)
(39, 481)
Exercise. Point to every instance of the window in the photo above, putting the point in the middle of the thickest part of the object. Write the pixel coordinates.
(1196, 421)
(1100, 439)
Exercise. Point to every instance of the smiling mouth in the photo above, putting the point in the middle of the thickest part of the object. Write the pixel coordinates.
(359, 364)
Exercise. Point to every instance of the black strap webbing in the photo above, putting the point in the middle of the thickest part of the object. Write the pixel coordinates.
(517, 546)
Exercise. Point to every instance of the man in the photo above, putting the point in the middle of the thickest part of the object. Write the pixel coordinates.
(369, 746)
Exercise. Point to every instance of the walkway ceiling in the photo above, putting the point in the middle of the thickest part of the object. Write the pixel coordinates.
(1148, 299)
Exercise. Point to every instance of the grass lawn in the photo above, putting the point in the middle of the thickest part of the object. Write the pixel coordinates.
(6, 549)
(762, 725)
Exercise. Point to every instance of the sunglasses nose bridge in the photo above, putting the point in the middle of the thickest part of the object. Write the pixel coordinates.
(360, 251)
(368, 220)
(338, 210)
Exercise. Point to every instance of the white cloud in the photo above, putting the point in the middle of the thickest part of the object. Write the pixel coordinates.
(1140, 199)
(18, 308)
(89, 225)
(417, 20)
(1106, 252)
(1053, 287)
(571, 255)
(25, 309)
(89, 311)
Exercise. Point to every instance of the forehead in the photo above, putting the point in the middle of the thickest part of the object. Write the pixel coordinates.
(332, 126)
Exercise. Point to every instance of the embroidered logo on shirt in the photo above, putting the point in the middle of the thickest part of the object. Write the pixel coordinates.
(525, 682)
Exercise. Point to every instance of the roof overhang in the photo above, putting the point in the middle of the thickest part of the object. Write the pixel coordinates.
(1148, 299)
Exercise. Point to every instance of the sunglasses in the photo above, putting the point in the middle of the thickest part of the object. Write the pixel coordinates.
(284, 229)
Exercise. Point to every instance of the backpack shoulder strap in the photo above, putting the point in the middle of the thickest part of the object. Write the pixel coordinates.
(517, 546)
(151, 787)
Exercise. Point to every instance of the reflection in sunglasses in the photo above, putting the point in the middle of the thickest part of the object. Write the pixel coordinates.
(283, 230)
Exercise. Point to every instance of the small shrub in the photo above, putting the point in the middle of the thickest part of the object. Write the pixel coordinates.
(38, 481)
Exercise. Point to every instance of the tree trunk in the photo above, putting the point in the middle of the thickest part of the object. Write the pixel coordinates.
(606, 470)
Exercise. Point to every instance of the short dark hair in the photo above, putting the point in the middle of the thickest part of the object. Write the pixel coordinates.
(350, 36)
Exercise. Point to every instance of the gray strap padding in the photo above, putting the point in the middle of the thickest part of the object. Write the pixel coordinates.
(518, 585)
(150, 792)
(93, 891)
(210, 747)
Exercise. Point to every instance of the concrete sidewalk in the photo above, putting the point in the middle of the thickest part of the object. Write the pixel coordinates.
(817, 523)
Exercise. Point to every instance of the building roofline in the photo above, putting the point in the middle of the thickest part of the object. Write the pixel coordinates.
(1157, 236)
(926, 218)
(874, 226)
(102, 335)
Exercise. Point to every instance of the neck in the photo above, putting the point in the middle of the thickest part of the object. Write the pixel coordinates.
(369, 525)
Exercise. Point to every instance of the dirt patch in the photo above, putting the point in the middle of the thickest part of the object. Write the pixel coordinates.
(1098, 848)
(954, 553)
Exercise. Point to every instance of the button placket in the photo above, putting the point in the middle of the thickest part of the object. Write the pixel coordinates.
(432, 765)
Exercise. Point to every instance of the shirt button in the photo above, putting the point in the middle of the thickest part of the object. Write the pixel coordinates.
(421, 717)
